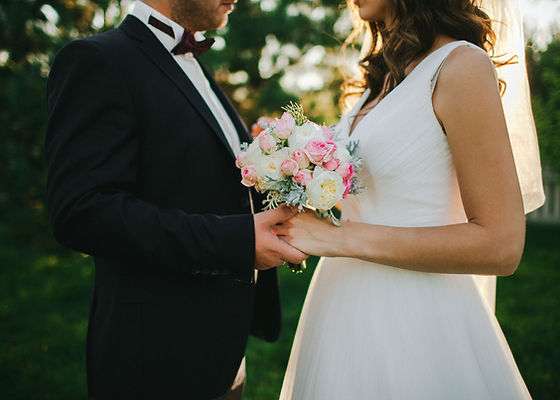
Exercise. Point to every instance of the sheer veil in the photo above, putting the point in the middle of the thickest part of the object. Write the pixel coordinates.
(508, 25)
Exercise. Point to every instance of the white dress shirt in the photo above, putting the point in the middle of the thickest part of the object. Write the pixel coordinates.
(189, 64)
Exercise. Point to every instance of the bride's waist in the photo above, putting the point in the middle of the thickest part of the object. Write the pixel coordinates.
(368, 270)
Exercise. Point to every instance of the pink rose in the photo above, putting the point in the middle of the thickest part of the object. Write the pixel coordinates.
(332, 164)
(348, 184)
(303, 177)
(289, 167)
(248, 176)
(301, 158)
(319, 150)
(284, 126)
(328, 133)
(257, 128)
(266, 142)
(346, 171)
(241, 159)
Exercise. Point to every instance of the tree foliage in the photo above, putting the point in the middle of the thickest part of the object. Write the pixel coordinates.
(31, 32)
(544, 73)
(272, 43)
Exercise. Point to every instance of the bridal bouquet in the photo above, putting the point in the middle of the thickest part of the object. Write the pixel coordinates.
(297, 162)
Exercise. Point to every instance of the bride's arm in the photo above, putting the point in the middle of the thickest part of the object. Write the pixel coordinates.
(467, 103)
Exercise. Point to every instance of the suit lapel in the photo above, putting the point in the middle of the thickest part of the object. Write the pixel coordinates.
(161, 57)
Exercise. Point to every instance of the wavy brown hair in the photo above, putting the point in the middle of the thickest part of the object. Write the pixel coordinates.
(414, 26)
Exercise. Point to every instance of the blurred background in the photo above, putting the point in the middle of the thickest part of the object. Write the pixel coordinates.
(271, 52)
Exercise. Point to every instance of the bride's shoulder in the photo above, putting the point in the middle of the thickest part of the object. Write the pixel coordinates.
(466, 62)
(466, 69)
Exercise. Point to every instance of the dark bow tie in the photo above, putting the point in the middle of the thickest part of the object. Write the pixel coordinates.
(188, 43)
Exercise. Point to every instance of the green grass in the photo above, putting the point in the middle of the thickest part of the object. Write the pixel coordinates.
(528, 308)
(44, 301)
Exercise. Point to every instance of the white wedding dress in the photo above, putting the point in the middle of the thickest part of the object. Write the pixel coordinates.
(369, 331)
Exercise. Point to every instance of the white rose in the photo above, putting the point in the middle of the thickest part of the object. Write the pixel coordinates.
(303, 134)
(254, 152)
(342, 153)
(269, 167)
(325, 189)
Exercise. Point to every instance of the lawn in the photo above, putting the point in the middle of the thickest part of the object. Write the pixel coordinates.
(44, 297)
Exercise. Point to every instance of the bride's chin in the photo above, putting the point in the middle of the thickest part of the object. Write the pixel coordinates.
(364, 16)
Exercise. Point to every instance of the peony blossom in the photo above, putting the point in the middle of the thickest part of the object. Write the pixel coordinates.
(301, 158)
(248, 176)
(267, 143)
(325, 189)
(303, 177)
(284, 126)
(289, 167)
(269, 167)
(254, 151)
(320, 150)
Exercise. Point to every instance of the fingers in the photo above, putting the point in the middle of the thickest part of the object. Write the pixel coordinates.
(270, 250)
(291, 254)
(281, 214)
(270, 263)
(281, 230)
(279, 252)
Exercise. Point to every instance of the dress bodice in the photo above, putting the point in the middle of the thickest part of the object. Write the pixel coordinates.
(408, 168)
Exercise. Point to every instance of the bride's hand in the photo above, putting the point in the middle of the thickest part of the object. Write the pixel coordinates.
(309, 234)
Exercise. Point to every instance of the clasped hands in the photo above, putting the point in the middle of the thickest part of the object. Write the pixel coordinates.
(286, 235)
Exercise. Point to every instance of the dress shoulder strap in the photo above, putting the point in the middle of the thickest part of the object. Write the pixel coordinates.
(440, 56)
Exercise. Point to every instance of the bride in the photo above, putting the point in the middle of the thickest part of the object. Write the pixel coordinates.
(394, 310)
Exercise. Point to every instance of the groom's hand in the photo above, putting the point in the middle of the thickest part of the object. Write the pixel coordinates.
(271, 251)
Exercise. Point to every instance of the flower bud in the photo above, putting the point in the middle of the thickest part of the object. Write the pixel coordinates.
(284, 126)
(301, 158)
(303, 177)
(241, 159)
(266, 142)
(289, 167)
(248, 176)
(332, 164)
(259, 126)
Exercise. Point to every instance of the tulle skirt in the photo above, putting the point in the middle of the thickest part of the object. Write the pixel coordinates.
(369, 331)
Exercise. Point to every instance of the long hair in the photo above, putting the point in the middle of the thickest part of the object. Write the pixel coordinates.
(414, 27)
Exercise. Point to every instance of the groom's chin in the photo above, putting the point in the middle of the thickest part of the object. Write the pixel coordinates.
(219, 20)
(224, 21)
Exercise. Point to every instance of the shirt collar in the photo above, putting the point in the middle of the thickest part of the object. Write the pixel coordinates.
(142, 11)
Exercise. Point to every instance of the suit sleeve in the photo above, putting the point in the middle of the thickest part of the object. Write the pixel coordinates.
(92, 156)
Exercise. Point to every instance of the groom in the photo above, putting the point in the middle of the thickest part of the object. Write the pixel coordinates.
(140, 148)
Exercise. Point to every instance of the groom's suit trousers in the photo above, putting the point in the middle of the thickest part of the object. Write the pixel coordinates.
(238, 386)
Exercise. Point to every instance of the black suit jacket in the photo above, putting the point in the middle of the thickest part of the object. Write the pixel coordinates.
(141, 177)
